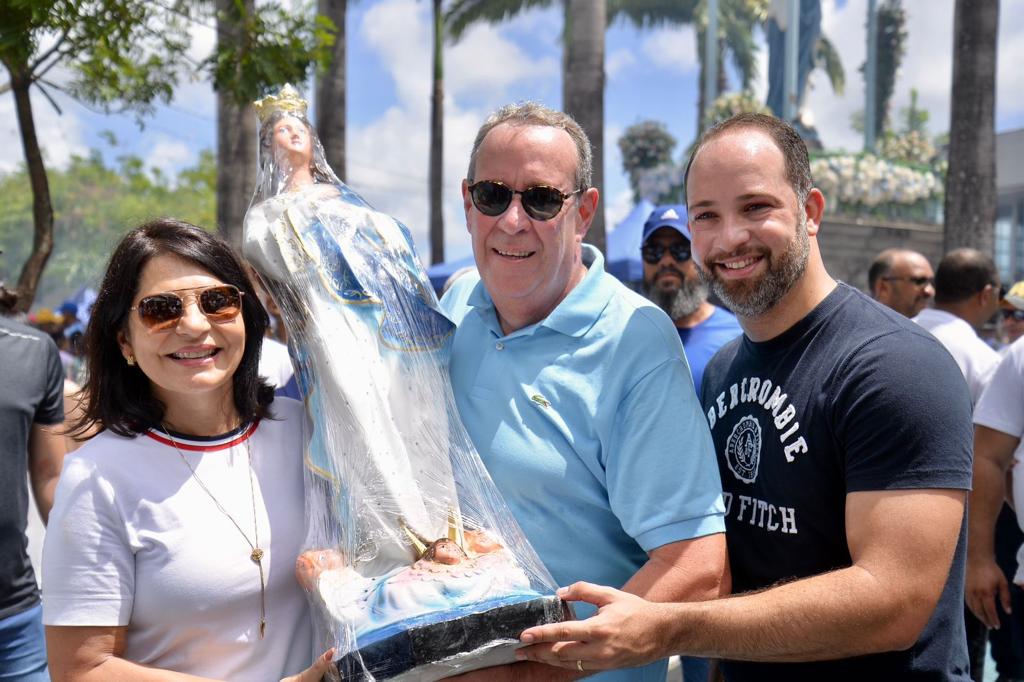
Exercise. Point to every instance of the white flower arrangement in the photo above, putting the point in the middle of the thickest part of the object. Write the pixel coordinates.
(867, 181)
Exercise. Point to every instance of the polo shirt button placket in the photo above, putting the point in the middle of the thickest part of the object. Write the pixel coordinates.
(499, 346)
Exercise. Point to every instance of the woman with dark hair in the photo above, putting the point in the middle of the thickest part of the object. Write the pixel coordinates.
(173, 539)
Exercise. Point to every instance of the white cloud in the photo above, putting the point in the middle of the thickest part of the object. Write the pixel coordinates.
(388, 157)
(194, 94)
(831, 112)
(388, 166)
(1009, 83)
(485, 62)
(618, 61)
(59, 136)
(927, 67)
(672, 48)
(617, 207)
(168, 156)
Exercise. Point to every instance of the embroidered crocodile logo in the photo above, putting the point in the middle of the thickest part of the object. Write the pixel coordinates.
(540, 400)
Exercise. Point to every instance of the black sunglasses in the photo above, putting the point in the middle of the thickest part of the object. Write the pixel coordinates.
(1015, 314)
(540, 202)
(652, 253)
(160, 312)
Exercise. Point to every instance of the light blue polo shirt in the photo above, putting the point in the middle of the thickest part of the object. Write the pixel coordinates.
(590, 427)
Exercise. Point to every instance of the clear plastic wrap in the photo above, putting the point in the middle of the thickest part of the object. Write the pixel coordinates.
(414, 566)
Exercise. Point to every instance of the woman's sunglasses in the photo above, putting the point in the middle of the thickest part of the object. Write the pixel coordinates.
(160, 312)
(540, 202)
(652, 253)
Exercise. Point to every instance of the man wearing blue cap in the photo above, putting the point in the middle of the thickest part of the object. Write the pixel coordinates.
(672, 283)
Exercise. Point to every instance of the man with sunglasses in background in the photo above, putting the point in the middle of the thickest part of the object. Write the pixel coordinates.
(902, 280)
(573, 388)
(1012, 310)
(672, 283)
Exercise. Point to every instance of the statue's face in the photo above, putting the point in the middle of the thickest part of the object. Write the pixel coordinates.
(445, 551)
(292, 141)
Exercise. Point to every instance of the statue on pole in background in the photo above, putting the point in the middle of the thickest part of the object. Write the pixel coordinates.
(809, 24)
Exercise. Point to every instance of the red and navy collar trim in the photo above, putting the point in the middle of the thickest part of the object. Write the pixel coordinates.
(205, 444)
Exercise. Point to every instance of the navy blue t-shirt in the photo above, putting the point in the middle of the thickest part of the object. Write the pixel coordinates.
(854, 397)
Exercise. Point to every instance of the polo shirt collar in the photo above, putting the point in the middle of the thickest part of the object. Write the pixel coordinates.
(576, 313)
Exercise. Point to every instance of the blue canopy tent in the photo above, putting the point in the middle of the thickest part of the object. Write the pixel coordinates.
(623, 259)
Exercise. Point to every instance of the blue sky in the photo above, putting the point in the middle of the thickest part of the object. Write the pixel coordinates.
(651, 75)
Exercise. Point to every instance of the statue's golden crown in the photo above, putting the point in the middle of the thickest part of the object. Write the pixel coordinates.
(288, 99)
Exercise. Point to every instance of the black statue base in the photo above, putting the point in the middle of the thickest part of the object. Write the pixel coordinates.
(438, 650)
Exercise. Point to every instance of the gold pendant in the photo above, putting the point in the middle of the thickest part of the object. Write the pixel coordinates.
(257, 554)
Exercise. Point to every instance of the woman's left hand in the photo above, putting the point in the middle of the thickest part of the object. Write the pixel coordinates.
(315, 672)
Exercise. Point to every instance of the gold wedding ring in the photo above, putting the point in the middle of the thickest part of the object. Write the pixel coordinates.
(579, 665)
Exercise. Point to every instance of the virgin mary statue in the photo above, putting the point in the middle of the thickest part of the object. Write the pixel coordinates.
(405, 530)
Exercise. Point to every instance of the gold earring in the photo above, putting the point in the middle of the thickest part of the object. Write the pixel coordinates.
(130, 360)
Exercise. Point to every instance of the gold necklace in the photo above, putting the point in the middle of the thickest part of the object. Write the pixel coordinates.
(257, 554)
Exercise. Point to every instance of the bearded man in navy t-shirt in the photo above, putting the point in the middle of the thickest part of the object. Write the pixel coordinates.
(843, 434)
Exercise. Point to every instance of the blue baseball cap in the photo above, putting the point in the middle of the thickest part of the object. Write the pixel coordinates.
(671, 215)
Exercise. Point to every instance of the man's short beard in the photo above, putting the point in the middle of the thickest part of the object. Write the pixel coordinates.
(753, 298)
(681, 302)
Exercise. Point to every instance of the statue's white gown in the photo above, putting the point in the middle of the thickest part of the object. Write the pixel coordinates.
(370, 348)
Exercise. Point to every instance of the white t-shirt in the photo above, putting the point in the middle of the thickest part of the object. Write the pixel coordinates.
(1001, 408)
(275, 363)
(975, 358)
(135, 541)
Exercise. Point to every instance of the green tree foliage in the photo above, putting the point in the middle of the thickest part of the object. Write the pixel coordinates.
(276, 46)
(94, 205)
(127, 55)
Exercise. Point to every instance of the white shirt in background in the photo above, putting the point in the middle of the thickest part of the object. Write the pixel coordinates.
(275, 363)
(976, 359)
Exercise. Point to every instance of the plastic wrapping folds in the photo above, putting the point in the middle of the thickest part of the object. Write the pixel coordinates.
(414, 566)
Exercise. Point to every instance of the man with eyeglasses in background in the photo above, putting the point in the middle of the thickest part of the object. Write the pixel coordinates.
(574, 389)
(672, 283)
(902, 280)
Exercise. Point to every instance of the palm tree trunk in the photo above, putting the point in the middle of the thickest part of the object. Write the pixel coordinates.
(42, 208)
(330, 91)
(236, 136)
(437, 141)
(583, 87)
(721, 79)
(971, 180)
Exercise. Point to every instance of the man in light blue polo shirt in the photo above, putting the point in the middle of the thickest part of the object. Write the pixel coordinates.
(574, 389)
